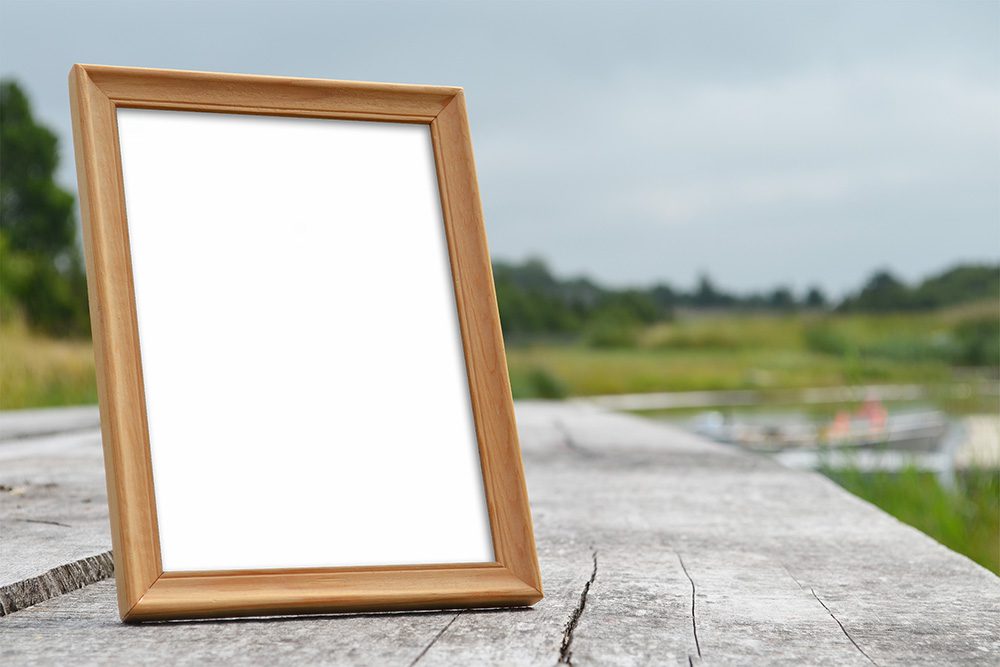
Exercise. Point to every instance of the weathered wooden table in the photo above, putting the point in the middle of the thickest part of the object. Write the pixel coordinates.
(656, 547)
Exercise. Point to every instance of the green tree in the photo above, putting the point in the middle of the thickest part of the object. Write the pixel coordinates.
(882, 293)
(971, 282)
(978, 342)
(781, 298)
(41, 274)
(706, 295)
(815, 298)
(532, 301)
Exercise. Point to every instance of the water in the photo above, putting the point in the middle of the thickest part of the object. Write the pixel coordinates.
(911, 435)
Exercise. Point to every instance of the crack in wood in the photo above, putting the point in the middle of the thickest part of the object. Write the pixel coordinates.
(47, 523)
(823, 604)
(842, 628)
(436, 637)
(694, 617)
(569, 441)
(789, 573)
(565, 652)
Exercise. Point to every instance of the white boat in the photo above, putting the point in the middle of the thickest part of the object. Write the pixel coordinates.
(913, 431)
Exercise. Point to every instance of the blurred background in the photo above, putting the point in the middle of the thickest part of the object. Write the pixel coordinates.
(776, 224)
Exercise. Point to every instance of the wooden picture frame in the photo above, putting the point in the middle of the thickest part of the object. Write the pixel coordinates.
(145, 590)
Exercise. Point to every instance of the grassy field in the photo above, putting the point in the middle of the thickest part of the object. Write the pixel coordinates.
(43, 372)
(580, 371)
(752, 352)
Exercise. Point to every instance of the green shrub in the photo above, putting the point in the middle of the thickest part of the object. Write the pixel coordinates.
(536, 382)
(897, 340)
(612, 333)
(546, 385)
(824, 339)
(978, 342)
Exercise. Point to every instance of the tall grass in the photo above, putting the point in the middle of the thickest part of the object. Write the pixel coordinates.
(966, 518)
(36, 371)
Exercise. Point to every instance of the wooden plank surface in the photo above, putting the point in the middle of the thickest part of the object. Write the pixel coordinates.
(656, 547)
(53, 506)
(19, 424)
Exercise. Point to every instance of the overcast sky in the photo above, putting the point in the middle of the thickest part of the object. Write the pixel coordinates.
(765, 143)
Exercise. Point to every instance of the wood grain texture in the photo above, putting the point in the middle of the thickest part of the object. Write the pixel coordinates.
(240, 93)
(145, 591)
(489, 383)
(54, 533)
(134, 533)
(346, 589)
(36, 422)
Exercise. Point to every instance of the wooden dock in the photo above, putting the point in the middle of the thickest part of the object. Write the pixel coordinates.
(656, 548)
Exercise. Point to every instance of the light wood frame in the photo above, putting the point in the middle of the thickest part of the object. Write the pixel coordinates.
(145, 591)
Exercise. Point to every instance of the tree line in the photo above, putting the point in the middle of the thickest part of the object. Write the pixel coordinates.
(535, 302)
